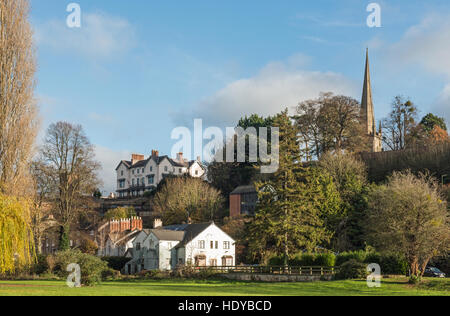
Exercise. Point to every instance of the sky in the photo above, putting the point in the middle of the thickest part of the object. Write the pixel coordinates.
(135, 70)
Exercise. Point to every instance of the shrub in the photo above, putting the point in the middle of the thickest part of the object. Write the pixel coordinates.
(394, 264)
(352, 269)
(325, 260)
(276, 261)
(88, 246)
(91, 267)
(359, 256)
(116, 263)
(41, 265)
(110, 274)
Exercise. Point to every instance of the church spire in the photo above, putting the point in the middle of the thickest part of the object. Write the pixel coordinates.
(367, 110)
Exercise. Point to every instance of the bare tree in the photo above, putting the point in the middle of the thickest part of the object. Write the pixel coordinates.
(182, 198)
(69, 157)
(400, 125)
(409, 216)
(330, 123)
(18, 109)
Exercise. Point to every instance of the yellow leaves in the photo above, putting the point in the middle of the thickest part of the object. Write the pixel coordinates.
(16, 239)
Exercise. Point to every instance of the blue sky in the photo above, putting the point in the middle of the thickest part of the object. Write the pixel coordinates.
(137, 69)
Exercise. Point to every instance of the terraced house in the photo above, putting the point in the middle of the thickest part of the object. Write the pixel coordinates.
(139, 175)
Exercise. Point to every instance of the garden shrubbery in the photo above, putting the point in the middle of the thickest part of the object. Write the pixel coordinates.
(389, 263)
(306, 260)
(92, 268)
(352, 269)
(116, 263)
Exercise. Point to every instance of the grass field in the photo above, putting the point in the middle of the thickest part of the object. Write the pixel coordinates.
(390, 287)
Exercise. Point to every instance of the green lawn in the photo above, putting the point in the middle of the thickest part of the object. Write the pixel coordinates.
(390, 287)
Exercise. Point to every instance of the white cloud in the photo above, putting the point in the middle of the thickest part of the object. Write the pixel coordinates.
(277, 86)
(100, 36)
(109, 160)
(427, 45)
(442, 105)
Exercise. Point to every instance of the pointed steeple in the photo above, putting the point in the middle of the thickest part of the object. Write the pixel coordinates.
(367, 110)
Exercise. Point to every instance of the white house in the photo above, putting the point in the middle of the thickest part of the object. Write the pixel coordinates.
(138, 175)
(165, 248)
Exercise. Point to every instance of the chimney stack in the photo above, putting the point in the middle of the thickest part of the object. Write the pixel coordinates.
(157, 223)
(136, 158)
(180, 157)
(155, 153)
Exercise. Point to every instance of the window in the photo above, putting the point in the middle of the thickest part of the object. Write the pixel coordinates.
(180, 170)
(132, 181)
(143, 181)
(196, 172)
(213, 262)
(132, 172)
(138, 246)
(166, 168)
(143, 170)
(121, 173)
(138, 171)
(226, 245)
(217, 245)
(151, 180)
(201, 244)
(138, 180)
(212, 244)
(151, 168)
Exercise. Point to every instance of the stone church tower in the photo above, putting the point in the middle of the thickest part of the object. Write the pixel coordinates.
(368, 114)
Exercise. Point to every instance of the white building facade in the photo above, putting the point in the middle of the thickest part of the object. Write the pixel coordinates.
(166, 248)
(139, 175)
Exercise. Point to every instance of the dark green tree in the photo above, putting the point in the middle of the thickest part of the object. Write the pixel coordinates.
(288, 215)
(226, 176)
(430, 121)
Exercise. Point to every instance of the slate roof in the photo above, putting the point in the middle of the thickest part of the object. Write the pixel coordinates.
(244, 189)
(165, 234)
(190, 231)
(157, 160)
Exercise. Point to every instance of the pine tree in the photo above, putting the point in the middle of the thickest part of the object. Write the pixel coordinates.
(288, 215)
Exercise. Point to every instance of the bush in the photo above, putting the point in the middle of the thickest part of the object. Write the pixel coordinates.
(116, 263)
(389, 263)
(110, 274)
(394, 264)
(352, 269)
(325, 260)
(91, 267)
(276, 261)
(359, 256)
(41, 265)
(88, 246)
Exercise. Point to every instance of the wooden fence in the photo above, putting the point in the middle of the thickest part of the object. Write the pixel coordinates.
(278, 270)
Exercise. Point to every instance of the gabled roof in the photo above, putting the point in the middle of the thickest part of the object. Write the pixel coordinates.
(165, 234)
(126, 163)
(190, 231)
(157, 160)
(244, 189)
